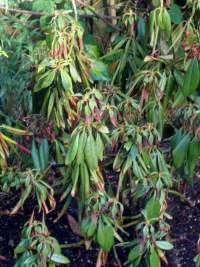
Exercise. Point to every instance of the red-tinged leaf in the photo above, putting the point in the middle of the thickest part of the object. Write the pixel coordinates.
(23, 149)
(73, 225)
(2, 258)
(114, 121)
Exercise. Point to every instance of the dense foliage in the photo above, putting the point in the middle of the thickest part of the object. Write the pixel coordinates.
(99, 106)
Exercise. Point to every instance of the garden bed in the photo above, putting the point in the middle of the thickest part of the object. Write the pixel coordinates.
(185, 227)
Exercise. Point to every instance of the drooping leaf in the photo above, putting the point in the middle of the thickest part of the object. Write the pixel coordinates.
(176, 14)
(44, 154)
(90, 152)
(133, 152)
(105, 237)
(152, 209)
(192, 78)
(99, 71)
(71, 154)
(180, 151)
(66, 81)
(154, 258)
(91, 46)
(22, 246)
(46, 80)
(81, 147)
(167, 23)
(134, 253)
(193, 153)
(74, 74)
(35, 156)
(99, 147)
(85, 180)
(141, 28)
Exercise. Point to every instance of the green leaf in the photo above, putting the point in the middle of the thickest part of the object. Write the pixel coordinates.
(91, 46)
(133, 152)
(43, 6)
(177, 137)
(44, 154)
(50, 104)
(103, 129)
(152, 209)
(59, 259)
(85, 181)
(30, 260)
(179, 99)
(35, 156)
(74, 74)
(165, 245)
(113, 56)
(71, 154)
(22, 246)
(117, 161)
(193, 153)
(141, 28)
(176, 14)
(154, 258)
(99, 71)
(85, 224)
(90, 152)
(156, 3)
(99, 147)
(92, 228)
(45, 81)
(66, 80)
(152, 19)
(167, 23)
(180, 151)
(134, 253)
(105, 237)
(192, 78)
(75, 176)
(81, 147)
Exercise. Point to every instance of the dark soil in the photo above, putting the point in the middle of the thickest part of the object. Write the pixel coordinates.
(185, 227)
(185, 230)
(10, 233)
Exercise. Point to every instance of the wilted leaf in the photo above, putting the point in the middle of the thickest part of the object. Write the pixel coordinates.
(73, 225)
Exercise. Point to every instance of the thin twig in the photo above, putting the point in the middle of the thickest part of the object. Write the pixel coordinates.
(116, 257)
(39, 14)
(131, 224)
(22, 11)
(182, 197)
(73, 245)
(102, 17)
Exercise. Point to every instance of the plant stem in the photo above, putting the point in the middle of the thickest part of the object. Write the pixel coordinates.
(73, 245)
(182, 197)
(131, 224)
(116, 257)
